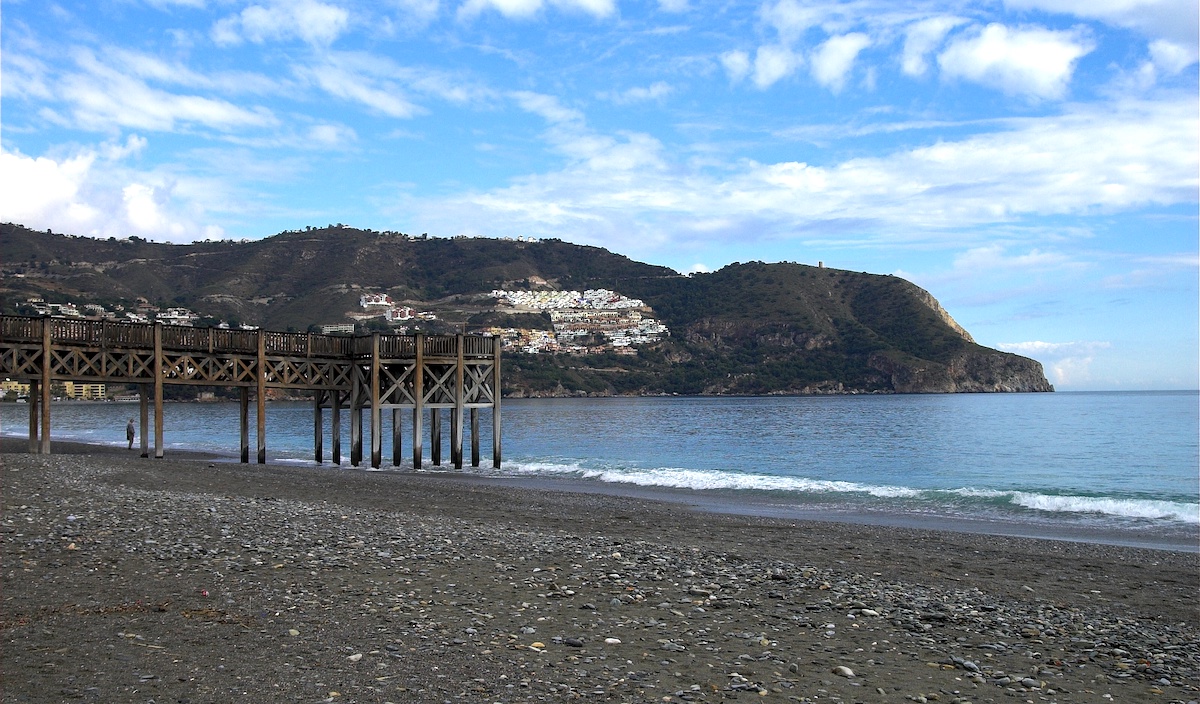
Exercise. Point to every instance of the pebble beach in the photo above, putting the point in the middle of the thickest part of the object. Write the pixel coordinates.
(193, 580)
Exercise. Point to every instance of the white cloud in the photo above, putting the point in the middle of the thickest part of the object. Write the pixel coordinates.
(30, 188)
(1174, 20)
(546, 106)
(774, 62)
(791, 18)
(832, 61)
(330, 136)
(313, 22)
(673, 5)
(737, 64)
(417, 13)
(1032, 62)
(1065, 363)
(629, 193)
(100, 97)
(923, 38)
(994, 258)
(1171, 58)
(654, 91)
(91, 193)
(349, 84)
(524, 9)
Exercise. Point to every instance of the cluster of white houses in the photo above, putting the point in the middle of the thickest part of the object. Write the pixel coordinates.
(597, 320)
(377, 305)
(598, 299)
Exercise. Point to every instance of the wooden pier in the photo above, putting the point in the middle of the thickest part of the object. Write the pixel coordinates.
(418, 373)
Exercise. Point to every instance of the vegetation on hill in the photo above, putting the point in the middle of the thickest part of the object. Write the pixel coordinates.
(750, 328)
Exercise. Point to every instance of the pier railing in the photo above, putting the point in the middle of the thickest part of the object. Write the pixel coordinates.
(104, 334)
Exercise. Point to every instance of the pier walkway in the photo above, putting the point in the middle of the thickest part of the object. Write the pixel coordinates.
(418, 373)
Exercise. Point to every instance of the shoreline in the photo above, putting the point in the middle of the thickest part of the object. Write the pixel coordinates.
(1184, 538)
(126, 579)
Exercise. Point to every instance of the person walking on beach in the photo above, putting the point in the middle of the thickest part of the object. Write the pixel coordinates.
(129, 433)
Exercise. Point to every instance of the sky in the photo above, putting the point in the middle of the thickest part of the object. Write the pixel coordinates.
(1032, 163)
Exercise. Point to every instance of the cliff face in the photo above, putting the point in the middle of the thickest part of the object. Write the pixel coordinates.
(976, 370)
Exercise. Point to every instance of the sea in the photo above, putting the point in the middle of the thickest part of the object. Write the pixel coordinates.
(1102, 467)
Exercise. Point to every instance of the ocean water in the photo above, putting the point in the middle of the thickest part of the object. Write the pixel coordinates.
(1106, 466)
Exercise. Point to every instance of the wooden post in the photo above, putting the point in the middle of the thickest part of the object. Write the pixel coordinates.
(435, 435)
(144, 419)
(47, 358)
(35, 394)
(456, 415)
(244, 422)
(418, 396)
(261, 407)
(318, 428)
(474, 437)
(158, 391)
(335, 425)
(496, 404)
(376, 411)
(356, 417)
(397, 438)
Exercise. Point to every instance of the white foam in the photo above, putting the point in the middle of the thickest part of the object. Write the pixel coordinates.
(700, 479)
(1127, 508)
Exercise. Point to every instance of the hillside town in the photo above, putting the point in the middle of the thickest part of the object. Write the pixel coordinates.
(591, 322)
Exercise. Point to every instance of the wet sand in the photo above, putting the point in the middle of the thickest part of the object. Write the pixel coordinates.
(194, 580)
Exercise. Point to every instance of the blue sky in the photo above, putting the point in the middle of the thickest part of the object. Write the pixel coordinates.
(1032, 163)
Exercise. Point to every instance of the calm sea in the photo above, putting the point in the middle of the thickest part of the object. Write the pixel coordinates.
(1118, 467)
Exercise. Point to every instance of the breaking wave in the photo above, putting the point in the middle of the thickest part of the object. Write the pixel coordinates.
(958, 500)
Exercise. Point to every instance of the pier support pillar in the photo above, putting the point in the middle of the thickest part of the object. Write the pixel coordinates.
(144, 418)
(456, 414)
(435, 436)
(335, 425)
(318, 427)
(356, 393)
(47, 360)
(474, 437)
(261, 407)
(244, 422)
(496, 403)
(35, 396)
(397, 438)
(158, 392)
(376, 411)
(418, 397)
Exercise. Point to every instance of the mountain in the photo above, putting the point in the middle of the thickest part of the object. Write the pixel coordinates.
(750, 328)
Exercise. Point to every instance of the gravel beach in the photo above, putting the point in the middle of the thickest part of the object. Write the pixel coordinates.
(193, 580)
